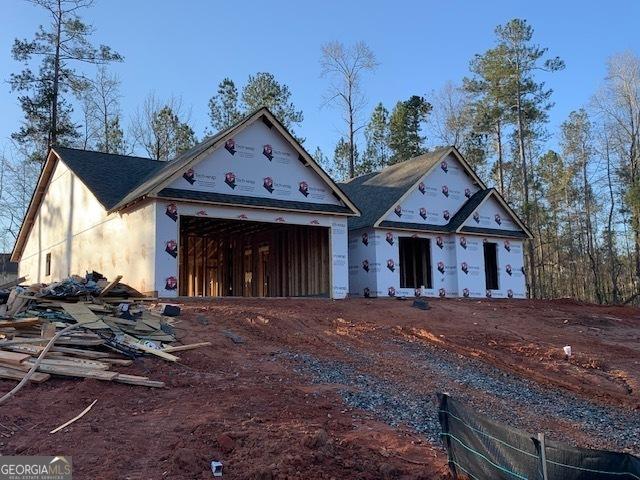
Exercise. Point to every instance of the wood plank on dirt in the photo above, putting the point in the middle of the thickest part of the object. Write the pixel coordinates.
(180, 348)
(136, 380)
(78, 352)
(14, 374)
(76, 372)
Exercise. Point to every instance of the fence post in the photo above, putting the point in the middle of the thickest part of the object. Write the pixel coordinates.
(543, 456)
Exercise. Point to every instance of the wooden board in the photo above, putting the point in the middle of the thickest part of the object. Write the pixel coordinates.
(13, 374)
(111, 286)
(180, 348)
(20, 322)
(91, 354)
(136, 380)
(77, 372)
(13, 358)
(75, 363)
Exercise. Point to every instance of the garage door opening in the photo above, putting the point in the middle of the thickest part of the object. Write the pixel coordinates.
(252, 259)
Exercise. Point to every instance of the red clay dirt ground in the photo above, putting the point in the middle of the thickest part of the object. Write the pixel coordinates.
(267, 397)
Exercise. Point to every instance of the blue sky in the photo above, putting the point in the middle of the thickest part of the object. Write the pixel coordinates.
(185, 48)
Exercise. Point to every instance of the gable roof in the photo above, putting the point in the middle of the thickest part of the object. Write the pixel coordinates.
(109, 177)
(173, 169)
(456, 223)
(377, 193)
(120, 180)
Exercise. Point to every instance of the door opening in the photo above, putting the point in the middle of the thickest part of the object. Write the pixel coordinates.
(415, 262)
(491, 265)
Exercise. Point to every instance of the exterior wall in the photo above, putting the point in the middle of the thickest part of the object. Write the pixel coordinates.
(438, 197)
(258, 162)
(443, 274)
(490, 214)
(448, 253)
(363, 266)
(75, 228)
(168, 217)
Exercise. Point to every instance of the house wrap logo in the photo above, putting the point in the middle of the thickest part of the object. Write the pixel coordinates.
(303, 188)
(463, 242)
(172, 212)
(267, 183)
(440, 242)
(498, 219)
(230, 179)
(389, 238)
(230, 146)
(508, 269)
(444, 166)
(464, 266)
(445, 191)
(391, 292)
(365, 265)
(190, 176)
(398, 211)
(391, 265)
(446, 215)
(171, 247)
(423, 213)
(365, 239)
(170, 283)
(509, 293)
(366, 292)
(267, 151)
(422, 188)
(476, 217)
(507, 245)
(23, 467)
(441, 267)
(442, 293)
(467, 192)
(465, 292)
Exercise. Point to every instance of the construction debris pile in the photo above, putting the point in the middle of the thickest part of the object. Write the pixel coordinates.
(107, 325)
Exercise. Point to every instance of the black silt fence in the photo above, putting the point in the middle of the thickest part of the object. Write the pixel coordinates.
(481, 449)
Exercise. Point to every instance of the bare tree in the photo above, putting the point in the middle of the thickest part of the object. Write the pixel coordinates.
(344, 67)
(101, 108)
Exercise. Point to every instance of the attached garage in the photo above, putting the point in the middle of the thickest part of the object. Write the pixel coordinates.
(247, 212)
(253, 259)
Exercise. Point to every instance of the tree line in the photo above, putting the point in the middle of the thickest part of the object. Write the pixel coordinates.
(581, 200)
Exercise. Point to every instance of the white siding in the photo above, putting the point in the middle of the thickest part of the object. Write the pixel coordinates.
(75, 229)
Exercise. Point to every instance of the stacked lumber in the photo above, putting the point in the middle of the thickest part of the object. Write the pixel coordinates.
(114, 325)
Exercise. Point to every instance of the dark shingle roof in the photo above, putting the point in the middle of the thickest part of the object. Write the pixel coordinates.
(377, 192)
(110, 177)
(225, 199)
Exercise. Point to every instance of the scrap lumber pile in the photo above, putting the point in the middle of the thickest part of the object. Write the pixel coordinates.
(114, 324)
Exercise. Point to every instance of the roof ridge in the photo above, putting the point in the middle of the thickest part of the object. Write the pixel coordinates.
(107, 153)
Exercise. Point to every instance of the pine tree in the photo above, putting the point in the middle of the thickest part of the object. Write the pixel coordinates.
(224, 109)
(342, 159)
(263, 90)
(405, 128)
(65, 41)
(376, 132)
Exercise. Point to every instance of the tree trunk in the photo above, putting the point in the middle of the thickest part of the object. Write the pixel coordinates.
(525, 185)
(53, 134)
